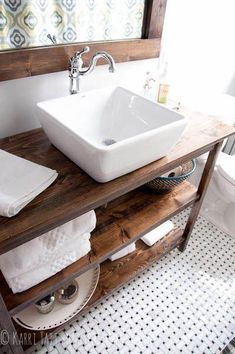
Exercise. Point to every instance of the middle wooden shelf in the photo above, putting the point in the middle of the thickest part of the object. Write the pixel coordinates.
(120, 223)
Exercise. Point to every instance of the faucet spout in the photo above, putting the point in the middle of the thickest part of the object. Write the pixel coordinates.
(95, 58)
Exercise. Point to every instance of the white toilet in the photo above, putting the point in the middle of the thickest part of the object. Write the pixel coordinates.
(226, 184)
(219, 203)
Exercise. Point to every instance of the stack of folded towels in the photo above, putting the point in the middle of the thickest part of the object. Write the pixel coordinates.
(42, 257)
(27, 265)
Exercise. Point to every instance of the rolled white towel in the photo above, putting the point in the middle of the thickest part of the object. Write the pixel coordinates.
(174, 173)
(159, 232)
(124, 252)
(29, 279)
(42, 249)
(20, 182)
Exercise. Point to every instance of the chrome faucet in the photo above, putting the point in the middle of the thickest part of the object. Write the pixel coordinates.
(76, 67)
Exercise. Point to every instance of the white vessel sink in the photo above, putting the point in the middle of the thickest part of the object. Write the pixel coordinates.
(110, 132)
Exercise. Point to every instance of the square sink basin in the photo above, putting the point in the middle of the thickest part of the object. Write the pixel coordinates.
(110, 132)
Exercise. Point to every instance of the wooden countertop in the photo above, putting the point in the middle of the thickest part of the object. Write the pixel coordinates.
(74, 192)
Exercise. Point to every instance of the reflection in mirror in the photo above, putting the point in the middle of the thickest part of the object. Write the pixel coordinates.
(35, 23)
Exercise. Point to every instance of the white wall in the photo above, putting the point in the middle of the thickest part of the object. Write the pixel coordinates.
(199, 38)
(18, 97)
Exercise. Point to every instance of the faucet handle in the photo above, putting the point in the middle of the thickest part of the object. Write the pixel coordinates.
(86, 49)
(76, 60)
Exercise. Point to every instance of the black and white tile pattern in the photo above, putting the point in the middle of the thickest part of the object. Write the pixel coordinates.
(183, 304)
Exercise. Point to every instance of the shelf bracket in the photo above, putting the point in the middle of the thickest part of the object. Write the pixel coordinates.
(203, 185)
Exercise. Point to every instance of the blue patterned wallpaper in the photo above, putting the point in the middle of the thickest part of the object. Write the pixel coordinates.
(28, 23)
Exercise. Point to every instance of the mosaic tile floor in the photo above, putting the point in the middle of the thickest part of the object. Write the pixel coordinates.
(183, 304)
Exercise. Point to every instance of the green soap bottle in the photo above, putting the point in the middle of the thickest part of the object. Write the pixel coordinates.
(163, 87)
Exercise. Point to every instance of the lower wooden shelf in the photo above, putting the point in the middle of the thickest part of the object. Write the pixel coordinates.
(114, 274)
(123, 221)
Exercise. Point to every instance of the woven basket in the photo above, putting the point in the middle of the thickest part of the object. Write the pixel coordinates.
(167, 183)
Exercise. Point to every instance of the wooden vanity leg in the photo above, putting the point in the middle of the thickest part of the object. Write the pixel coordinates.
(203, 185)
(8, 333)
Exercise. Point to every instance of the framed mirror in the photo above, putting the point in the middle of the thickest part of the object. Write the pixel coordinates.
(38, 37)
(40, 23)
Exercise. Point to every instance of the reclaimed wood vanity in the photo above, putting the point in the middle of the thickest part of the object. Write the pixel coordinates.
(125, 212)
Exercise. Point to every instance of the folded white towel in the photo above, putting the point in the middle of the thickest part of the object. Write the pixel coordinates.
(25, 281)
(173, 173)
(20, 182)
(159, 232)
(124, 252)
(45, 248)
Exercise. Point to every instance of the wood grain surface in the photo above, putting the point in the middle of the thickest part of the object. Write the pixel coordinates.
(74, 192)
(20, 63)
(154, 18)
(123, 221)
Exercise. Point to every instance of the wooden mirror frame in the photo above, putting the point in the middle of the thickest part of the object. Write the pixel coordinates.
(26, 62)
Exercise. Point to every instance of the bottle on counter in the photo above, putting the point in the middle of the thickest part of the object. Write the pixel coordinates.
(164, 87)
(163, 83)
(148, 89)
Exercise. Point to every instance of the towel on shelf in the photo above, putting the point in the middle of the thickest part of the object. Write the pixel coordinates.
(44, 256)
(174, 173)
(80, 247)
(159, 232)
(20, 182)
(41, 250)
(124, 252)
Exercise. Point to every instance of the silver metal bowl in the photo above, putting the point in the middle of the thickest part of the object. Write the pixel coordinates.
(46, 304)
(67, 295)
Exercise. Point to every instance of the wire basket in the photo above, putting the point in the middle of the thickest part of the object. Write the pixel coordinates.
(169, 182)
